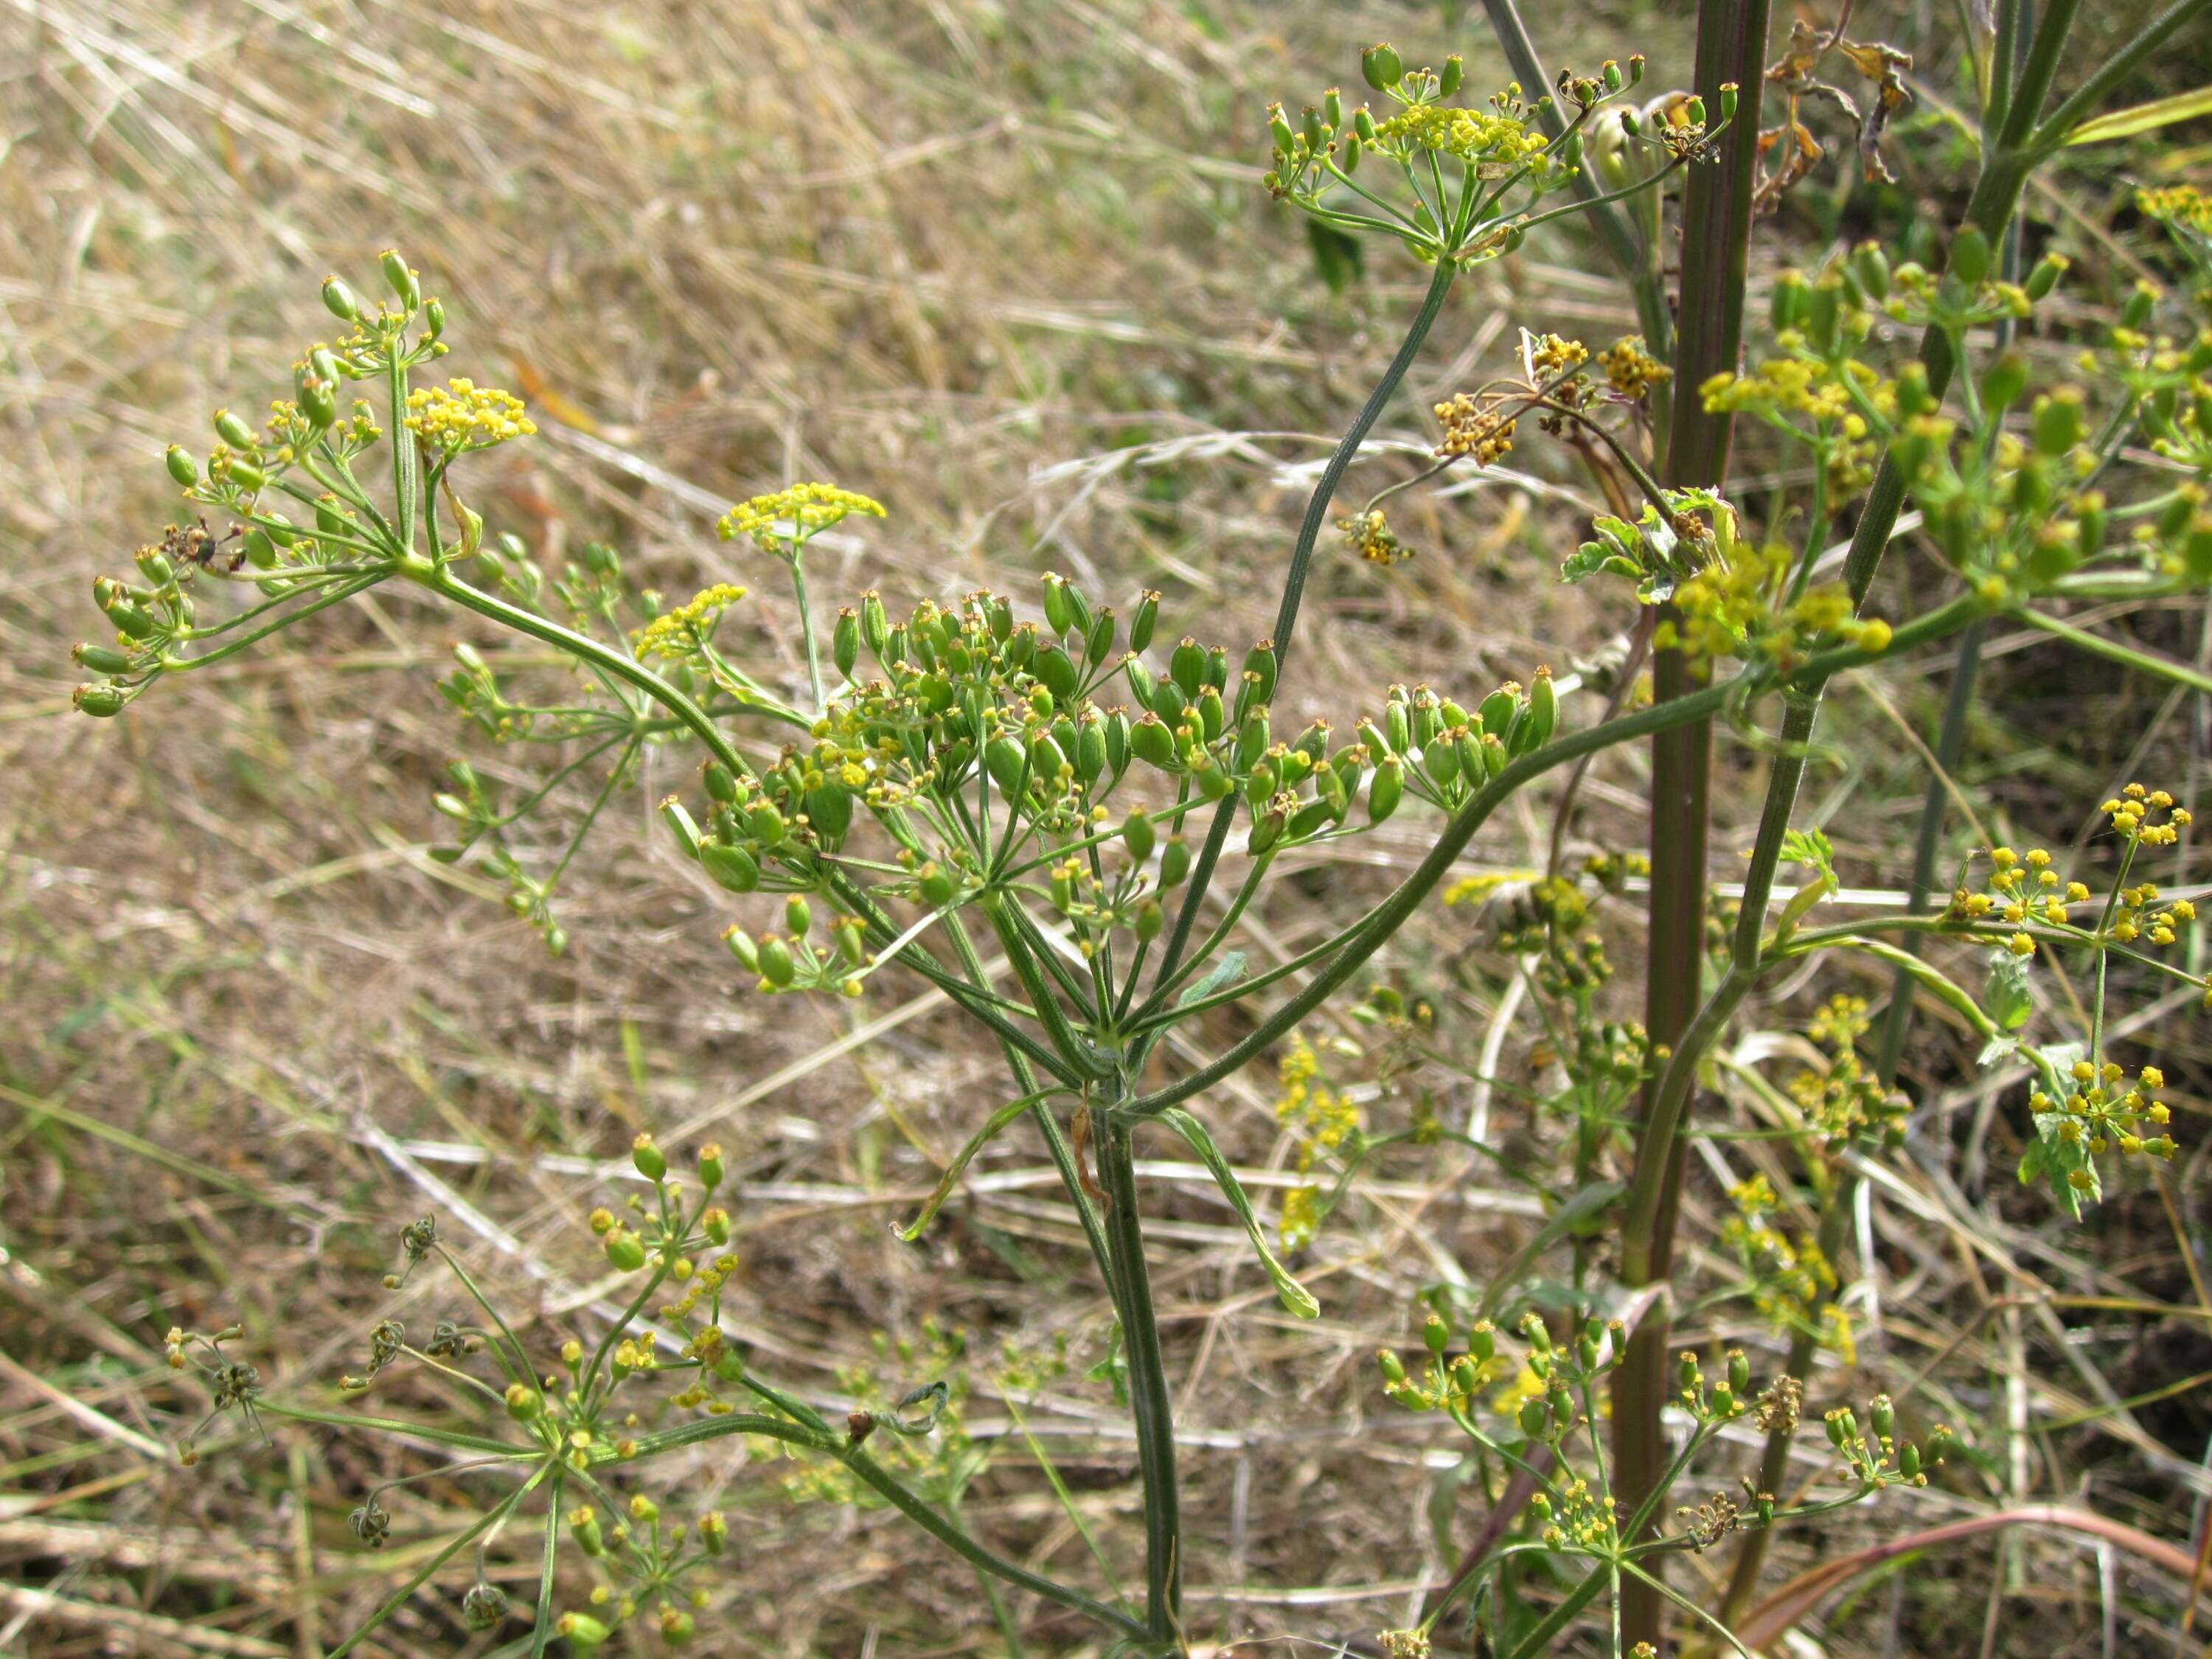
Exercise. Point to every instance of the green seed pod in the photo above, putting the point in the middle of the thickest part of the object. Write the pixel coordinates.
(1349, 160)
(797, 915)
(714, 1532)
(1148, 921)
(234, 431)
(845, 642)
(778, 966)
(2057, 420)
(1687, 1377)
(1450, 75)
(1144, 619)
(1058, 670)
(742, 947)
(1099, 642)
(1212, 715)
(1331, 108)
(1824, 307)
(1908, 1461)
(1535, 1419)
(1441, 759)
(1387, 789)
(710, 1167)
(1090, 756)
(401, 281)
(731, 867)
(1047, 759)
(1252, 740)
(582, 1630)
(1138, 836)
(524, 1404)
(1142, 685)
(1259, 663)
(1117, 728)
(2003, 381)
(1942, 1443)
(625, 1249)
(584, 1527)
(1151, 742)
(936, 887)
(1969, 255)
(340, 300)
(875, 625)
(1694, 107)
(101, 700)
(182, 466)
(1266, 829)
(1020, 649)
(1058, 605)
(830, 809)
(100, 658)
(1723, 1403)
(1739, 1371)
(1168, 703)
(681, 825)
(1436, 1336)
(2141, 303)
(1882, 1412)
(1543, 708)
(1187, 666)
(1382, 66)
(721, 783)
(1311, 819)
(1364, 124)
(1728, 92)
(767, 823)
(1175, 862)
(1786, 302)
(1217, 668)
(1613, 79)
(259, 548)
(130, 619)
(1871, 266)
(153, 565)
(1004, 760)
(677, 1627)
(2044, 275)
(1393, 1369)
(1280, 133)
(1499, 709)
(1397, 727)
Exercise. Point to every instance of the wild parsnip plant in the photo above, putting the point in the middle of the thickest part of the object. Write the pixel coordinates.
(1096, 800)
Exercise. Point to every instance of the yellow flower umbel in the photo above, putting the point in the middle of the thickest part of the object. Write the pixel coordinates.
(783, 522)
(1323, 1120)
(462, 415)
(679, 632)
(1371, 536)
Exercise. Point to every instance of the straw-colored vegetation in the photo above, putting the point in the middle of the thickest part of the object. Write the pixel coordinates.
(1010, 270)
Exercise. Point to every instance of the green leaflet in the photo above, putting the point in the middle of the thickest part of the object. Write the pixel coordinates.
(2144, 118)
(992, 1126)
(1295, 1296)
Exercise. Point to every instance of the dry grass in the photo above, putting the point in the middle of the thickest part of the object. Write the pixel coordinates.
(930, 251)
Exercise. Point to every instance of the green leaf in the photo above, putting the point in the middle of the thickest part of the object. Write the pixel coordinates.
(1338, 259)
(1227, 971)
(2007, 993)
(2144, 118)
(1295, 1296)
(992, 1126)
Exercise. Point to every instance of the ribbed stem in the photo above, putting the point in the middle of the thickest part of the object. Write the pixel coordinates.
(1148, 1383)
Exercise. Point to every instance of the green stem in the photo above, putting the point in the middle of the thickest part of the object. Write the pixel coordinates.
(1148, 1384)
(892, 1491)
(1294, 585)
